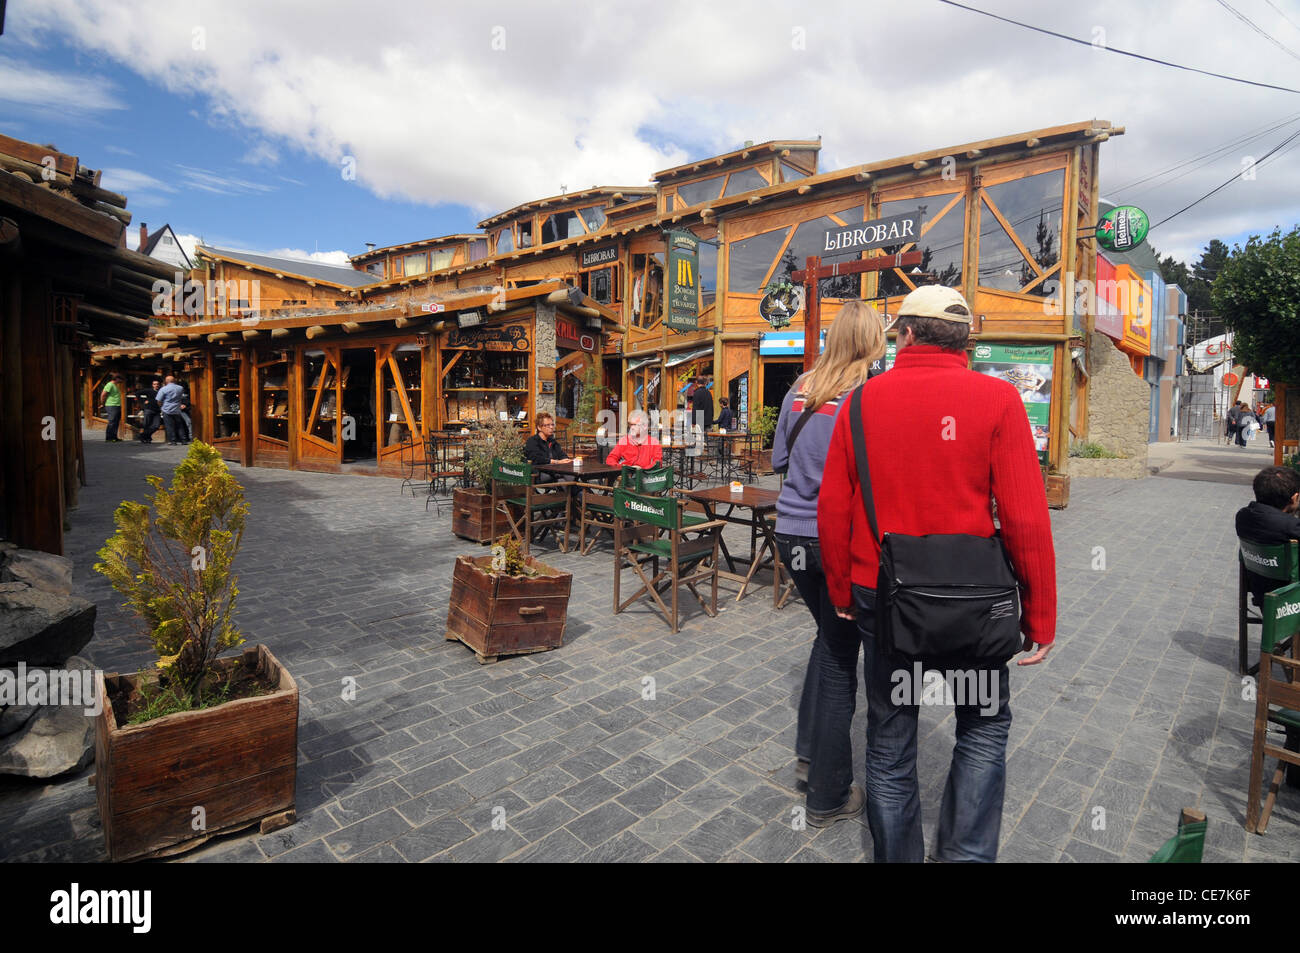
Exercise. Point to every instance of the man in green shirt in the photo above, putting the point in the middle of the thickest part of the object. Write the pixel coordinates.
(113, 407)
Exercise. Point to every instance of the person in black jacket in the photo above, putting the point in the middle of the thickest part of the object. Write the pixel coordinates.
(726, 418)
(152, 413)
(702, 404)
(542, 448)
(1271, 519)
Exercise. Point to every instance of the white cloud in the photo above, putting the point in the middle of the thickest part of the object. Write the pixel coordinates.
(492, 105)
(323, 257)
(132, 183)
(263, 153)
(25, 85)
(208, 181)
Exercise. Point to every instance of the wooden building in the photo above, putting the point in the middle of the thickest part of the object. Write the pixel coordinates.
(66, 281)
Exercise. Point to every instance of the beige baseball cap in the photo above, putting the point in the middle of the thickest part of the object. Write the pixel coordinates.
(936, 301)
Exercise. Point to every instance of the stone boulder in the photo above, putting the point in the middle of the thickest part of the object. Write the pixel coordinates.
(42, 628)
(54, 740)
(43, 571)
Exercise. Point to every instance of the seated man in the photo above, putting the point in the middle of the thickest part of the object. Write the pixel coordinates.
(1270, 519)
(637, 448)
(542, 448)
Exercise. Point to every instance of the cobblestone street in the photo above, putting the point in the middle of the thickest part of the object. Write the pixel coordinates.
(1137, 713)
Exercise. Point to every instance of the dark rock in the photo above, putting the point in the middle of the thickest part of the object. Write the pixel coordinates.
(42, 628)
(43, 571)
(55, 740)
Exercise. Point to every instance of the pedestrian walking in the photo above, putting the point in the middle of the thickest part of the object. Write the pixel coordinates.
(933, 470)
(112, 402)
(823, 746)
(170, 398)
(1270, 420)
(151, 413)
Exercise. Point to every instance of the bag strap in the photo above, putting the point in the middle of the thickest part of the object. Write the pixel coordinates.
(804, 417)
(860, 453)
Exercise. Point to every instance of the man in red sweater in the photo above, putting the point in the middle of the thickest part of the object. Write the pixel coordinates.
(942, 441)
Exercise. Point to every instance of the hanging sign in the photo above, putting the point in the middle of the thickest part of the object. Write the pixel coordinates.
(683, 286)
(598, 256)
(895, 230)
(781, 303)
(1122, 228)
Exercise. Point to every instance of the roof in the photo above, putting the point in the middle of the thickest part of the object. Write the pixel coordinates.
(613, 192)
(152, 240)
(341, 276)
(411, 246)
(739, 155)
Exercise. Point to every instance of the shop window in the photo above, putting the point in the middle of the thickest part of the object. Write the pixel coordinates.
(693, 193)
(746, 180)
(319, 397)
(415, 264)
(505, 241)
(749, 260)
(225, 383)
(1020, 234)
(647, 289)
(560, 226)
(601, 284)
(273, 401)
(478, 249)
(708, 273)
(943, 241)
(439, 260)
(810, 239)
(401, 389)
(752, 259)
(593, 218)
(790, 174)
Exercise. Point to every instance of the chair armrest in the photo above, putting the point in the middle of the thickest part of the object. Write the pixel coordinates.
(711, 524)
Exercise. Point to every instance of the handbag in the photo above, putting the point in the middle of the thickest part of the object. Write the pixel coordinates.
(944, 600)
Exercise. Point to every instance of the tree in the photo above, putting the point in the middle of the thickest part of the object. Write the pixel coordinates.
(1258, 293)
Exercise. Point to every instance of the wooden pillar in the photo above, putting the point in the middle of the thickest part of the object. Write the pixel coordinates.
(39, 523)
(13, 489)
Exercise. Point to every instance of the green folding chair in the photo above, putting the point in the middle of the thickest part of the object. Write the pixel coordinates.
(653, 482)
(1279, 562)
(1277, 701)
(528, 509)
(657, 529)
(1188, 844)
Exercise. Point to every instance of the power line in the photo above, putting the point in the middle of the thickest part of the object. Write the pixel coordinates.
(1112, 49)
(1282, 15)
(1264, 33)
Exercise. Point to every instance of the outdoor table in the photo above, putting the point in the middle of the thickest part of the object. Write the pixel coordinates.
(593, 470)
(444, 463)
(760, 503)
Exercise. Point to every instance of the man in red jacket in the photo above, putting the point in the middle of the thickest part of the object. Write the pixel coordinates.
(963, 439)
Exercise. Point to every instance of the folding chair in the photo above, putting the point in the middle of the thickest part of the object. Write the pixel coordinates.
(651, 529)
(596, 503)
(1277, 561)
(1188, 844)
(653, 482)
(1281, 621)
(513, 489)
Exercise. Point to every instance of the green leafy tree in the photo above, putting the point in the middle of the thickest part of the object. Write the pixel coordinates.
(1257, 292)
(172, 560)
(589, 399)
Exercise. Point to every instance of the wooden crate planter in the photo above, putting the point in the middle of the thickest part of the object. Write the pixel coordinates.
(1058, 490)
(236, 761)
(499, 615)
(471, 515)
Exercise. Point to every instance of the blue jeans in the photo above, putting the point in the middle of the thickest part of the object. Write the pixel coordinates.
(823, 732)
(970, 817)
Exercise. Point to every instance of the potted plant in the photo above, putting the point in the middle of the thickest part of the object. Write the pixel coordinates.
(765, 426)
(507, 603)
(202, 745)
(471, 515)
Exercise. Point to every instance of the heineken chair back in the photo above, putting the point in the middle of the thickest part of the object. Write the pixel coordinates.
(1277, 701)
(1188, 844)
(1278, 562)
(652, 482)
(526, 508)
(655, 530)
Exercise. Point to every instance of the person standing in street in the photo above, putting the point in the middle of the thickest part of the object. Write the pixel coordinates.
(1232, 417)
(823, 744)
(702, 405)
(170, 397)
(152, 413)
(112, 401)
(1270, 420)
(934, 470)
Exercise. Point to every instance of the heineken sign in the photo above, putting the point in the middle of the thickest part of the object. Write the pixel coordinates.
(683, 283)
(895, 230)
(1122, 228)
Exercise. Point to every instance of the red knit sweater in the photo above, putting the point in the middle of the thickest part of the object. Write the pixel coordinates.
(941, 440)
(643, 455)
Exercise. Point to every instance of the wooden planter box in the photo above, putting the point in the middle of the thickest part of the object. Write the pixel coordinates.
(502, 615)
(237, 761)
(471, 515)
(762, 460)
(1058, 490)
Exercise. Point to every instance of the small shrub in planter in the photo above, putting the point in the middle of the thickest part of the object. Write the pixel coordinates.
(472, 508)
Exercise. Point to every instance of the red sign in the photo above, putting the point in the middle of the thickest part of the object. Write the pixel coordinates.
(1231, 380)
(433, 307)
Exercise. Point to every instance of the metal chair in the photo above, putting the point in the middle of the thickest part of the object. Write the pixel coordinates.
(1277, 701)
(655, 529)
(1279, 562)
(513, 489)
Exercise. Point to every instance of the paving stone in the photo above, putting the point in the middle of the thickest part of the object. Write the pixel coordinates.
(587, 794)
(433, 838)
(360, 837)
(559, 847)
(599, 825)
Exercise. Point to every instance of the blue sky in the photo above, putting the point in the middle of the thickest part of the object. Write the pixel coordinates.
(233, 122)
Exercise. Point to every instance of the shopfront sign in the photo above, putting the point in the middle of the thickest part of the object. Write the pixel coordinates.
(594, 257)
(683, 281)
(895, 230)
(511, 337)
(1122, 228)
(569, 335)
(1029, 370)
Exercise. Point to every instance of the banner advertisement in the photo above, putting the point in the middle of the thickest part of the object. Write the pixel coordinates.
(1029, 370)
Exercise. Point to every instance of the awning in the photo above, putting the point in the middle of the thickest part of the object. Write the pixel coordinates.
(635, 364)
(682, 358)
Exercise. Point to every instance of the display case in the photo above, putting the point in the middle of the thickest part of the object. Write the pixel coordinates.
(225, 398)
(479, 385)
(273, 400)
(402, 396)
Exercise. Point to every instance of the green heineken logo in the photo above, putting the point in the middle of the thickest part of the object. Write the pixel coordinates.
(1122, 228)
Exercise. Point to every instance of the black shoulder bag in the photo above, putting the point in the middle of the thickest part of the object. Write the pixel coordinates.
(944, 600)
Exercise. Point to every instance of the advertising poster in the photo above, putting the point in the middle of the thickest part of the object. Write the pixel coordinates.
(1029, 370)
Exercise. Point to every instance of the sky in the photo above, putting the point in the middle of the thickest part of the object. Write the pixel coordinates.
(309, 129)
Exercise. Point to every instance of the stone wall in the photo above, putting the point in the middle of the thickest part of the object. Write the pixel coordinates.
(1119, 404)
(1122, 469)
(544, 352)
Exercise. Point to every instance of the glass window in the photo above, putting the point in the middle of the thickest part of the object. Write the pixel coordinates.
(693, 193)
(749, 260)
(415, 264)
(525, 234)
(318, 396)
(439, 260)
(225, 380)
(746, 180)
(789, 173)
(708, 272)
(273, 403)
(478, 249)
(560, 226)
(942, 242)
(1032, 207)
(505, 241)
(593, 218)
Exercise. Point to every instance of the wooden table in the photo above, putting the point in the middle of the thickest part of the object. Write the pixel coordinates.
(593, 470)
(761, 504)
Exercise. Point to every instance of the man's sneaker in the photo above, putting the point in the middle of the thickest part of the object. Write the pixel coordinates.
(850, 809)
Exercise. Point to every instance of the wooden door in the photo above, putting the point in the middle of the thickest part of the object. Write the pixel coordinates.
(398, 376)
(321, 399)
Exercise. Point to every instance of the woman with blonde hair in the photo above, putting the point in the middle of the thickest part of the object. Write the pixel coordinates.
(855, 341)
